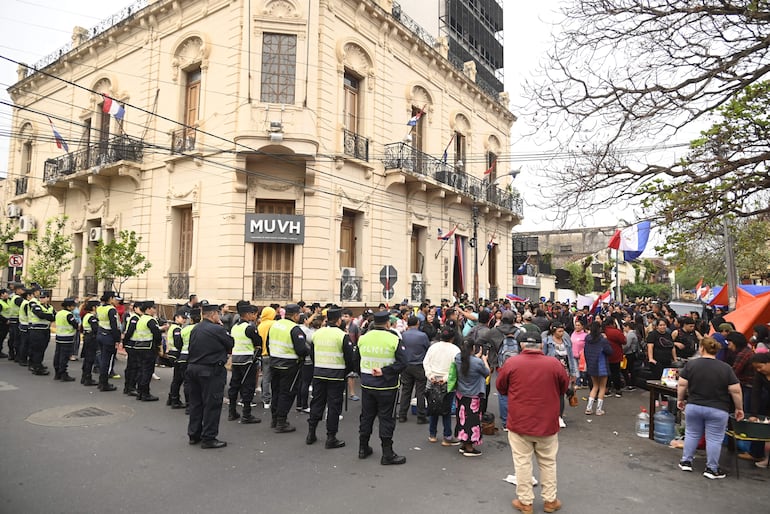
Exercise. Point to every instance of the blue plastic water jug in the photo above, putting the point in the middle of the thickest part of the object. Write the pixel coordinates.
(665, 427)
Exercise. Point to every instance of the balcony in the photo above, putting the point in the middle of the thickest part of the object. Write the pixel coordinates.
(21, 186)
(356, 146)
(401, 156)
(101, 154)
(178, 285)
(270, 285)
(183, 140)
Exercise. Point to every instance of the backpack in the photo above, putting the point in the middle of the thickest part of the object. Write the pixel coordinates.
(508, 348)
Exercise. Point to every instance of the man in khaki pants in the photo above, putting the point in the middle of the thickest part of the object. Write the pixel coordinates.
(533, 383)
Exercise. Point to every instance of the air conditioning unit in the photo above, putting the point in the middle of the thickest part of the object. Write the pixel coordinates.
(417, 287)
(350, 286)
(14, 211)
(95, 234)
(26, 224)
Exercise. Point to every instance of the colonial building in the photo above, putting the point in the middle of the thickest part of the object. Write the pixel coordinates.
(263, 152)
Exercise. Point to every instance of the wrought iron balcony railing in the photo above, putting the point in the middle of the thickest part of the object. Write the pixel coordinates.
(183, 140)
(356, 146)
(119, 148)
(21, 185)
(178, 285)
(406, 158)
(272, 285)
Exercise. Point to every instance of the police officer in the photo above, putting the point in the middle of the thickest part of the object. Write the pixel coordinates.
(209, 345)
(147, 338)
(287, 347)
(382, 359)
(5, 307)
(243, 379)
(174, 345)
(90, 327)
(13, 320)
(107, 337)
(66, 330)
(180, 369)
(40, 317)
(22, 350)
(131, 373)
(334, 357)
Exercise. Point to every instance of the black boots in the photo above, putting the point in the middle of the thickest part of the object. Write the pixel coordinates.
(332, 442)
(104, 385)
(282, 426)
(364, 450)
(233, 412)
(87, 380)
(175, 403)
(130, 390)
(311, 437)
(247, 418)
(389, 457)
(145, 396)
(65, 377)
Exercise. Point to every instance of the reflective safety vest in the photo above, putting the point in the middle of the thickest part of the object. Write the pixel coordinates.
(186, 331)
(281, 345)
(142, 336)
(64, 331)
(36, 323)
(243, 349)
(171, 351)
(87, 322)
(13, 309)
(377, 349)
(103, 315)
(6, 305)
(327, 353)
(23, 315)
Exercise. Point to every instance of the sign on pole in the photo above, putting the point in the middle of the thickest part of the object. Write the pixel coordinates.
(15, 261)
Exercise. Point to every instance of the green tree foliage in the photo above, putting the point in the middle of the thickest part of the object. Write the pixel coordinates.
(52, 253)
(119, 260)
(581, 278)
(8, 230)
(659, 291)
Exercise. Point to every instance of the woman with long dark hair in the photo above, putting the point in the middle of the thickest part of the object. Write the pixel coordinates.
(661, 351)
(597, 349)
(472, 371)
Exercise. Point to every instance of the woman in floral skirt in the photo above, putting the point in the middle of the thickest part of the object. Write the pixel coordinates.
(472, 371)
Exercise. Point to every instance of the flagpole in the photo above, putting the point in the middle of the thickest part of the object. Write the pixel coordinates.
(617, 275)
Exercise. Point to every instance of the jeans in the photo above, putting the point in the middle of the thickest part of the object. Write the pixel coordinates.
(446, 421)
(503, 403)
(702, 420)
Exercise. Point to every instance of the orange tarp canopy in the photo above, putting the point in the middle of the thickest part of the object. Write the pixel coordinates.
(754, 312)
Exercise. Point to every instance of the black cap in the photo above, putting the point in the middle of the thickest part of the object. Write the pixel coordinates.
(148, 304)
(18, 285)
(292, 308)
(244, 309)
(45, 293)
(208, 307)
(381, 316)
(90, 304)
(3, 290)
(107, 295)
(333, 314)
(68, 302)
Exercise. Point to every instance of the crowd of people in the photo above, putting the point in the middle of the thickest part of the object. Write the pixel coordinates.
(309, 356)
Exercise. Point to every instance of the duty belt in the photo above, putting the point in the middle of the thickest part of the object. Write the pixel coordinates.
(39, 326)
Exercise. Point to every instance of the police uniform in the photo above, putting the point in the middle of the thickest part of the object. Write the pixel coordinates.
(146, 338)
(209, 346)
(287, 347)
(22, 349)
(66, 330)
(107, 337)
(88, 352)
(333, 358)
(131, 372)
(180, 366)
(40, 316)
(13, 321)
(380, 349)
(5, 307)
(243, 378)
(173, 350)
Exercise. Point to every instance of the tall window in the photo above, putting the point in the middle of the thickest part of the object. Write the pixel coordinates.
(192, 97)
(417, 131)
(279, 66)
(460, 151)
(104, 130)
(491, 163)
(274, 257)
(348, 239)
(351, 102)
(185, 238)
(26, 158)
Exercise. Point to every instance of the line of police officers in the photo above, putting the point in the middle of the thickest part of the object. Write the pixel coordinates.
(199, 347)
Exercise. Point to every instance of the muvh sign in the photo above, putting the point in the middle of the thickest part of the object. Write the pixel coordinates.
(275, 228)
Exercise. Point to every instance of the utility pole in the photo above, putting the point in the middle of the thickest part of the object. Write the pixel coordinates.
(475, 245)
(732, 275)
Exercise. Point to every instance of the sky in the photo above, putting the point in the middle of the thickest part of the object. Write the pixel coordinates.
(32, 29)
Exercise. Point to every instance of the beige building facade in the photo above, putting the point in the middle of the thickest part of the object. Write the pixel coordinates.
(265, 154)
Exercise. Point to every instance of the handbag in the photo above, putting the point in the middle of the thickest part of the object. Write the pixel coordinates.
(573, 399)
(452, 379)
(435, 395)
(624, 363)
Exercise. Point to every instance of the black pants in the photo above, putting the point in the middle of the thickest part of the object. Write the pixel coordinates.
(13, 339)
(629, 372)
(305, 379)
(22, 345)
(207, 387)
(614, 380)
(377, 404)
(180, 368)
(331, 393)
(38, 343)
(61, 357)
(243, 381)
(413, 377)
(88, 353)
(145, 365)
(284, 386)
(107, 350)
(4, 331)
(131, 373)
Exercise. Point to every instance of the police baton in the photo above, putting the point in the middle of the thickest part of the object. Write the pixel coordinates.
(398, 398)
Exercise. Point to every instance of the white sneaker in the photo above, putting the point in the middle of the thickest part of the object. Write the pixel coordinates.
(511, 479)
(562, 424)
(155, 377)
(267, 405)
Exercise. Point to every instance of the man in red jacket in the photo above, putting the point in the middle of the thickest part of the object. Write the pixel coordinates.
(533, 383)
(617, 339)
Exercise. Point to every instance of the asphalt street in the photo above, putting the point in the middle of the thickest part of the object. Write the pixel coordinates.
(105, 452)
